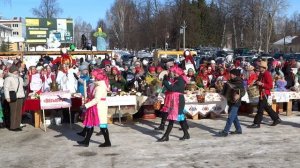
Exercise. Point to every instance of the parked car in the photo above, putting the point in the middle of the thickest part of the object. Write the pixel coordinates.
(127, 59)
(295, 56)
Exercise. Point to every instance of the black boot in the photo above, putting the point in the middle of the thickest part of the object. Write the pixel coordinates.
(87, 138)
(83, 132)
(188, 127)
(163, 121)
(99, 133)
(184, 127)
(106, 138)
(167, 133)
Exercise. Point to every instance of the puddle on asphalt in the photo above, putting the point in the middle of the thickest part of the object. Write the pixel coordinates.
(87, 154)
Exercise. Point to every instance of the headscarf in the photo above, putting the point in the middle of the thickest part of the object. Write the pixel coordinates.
(237, 63)
(159, 68)
(180, 72)
(152, 69)
(115, 69)
(100, 75)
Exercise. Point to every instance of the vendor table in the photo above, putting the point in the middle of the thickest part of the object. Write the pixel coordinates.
(214, 103)
(279, 97)
(119, 101)
(35, 106)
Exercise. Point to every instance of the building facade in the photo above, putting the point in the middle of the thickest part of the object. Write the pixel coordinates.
(5, 32)
(16, 24)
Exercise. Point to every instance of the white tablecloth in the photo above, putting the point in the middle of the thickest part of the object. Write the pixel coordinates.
(214, 103)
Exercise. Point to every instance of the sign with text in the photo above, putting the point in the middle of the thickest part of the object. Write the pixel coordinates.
(55, 100)
(41, 30)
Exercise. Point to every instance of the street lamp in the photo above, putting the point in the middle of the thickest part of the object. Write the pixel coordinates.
(166, 37)
(182, 31)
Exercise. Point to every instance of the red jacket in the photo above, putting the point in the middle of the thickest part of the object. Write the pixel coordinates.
(266, 79)
(252, 78)
(64, 59)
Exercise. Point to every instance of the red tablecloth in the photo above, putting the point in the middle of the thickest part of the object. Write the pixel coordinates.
(34, 104)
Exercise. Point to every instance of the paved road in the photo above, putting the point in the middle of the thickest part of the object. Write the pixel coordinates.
(134, 146)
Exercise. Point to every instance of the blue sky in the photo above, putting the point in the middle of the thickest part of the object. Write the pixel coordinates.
(88, 10)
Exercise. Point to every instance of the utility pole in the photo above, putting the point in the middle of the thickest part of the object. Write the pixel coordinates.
(183, 27)
(284, 47)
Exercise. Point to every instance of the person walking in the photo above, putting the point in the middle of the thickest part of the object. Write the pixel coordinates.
(265, 84)
(175, 103)
(96, 110)
(14, 83)
(234, 91)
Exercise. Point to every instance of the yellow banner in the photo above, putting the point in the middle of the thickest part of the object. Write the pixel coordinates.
(36, 40)
(32, 22)
(37, 32)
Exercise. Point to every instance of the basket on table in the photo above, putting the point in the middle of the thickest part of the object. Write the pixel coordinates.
(253, 91)
(157, 105)
(191, 86)
(200, 98)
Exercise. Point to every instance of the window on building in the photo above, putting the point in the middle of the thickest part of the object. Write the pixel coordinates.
(15, 33)
(15, 25)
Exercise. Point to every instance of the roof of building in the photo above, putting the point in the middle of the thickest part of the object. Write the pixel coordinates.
(285, 41)
(5, 27)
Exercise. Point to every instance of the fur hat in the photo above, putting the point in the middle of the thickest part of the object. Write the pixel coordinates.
(235, 72)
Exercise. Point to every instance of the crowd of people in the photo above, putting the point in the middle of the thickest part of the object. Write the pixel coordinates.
(112, 76)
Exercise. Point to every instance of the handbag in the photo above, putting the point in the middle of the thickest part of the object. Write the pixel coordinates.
(13, 94)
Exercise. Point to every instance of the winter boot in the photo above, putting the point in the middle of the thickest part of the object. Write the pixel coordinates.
(163, 122)
(106, 138)
(167, 133)
(87, 138)
(184, 128)
(188, 127)
(83, 132)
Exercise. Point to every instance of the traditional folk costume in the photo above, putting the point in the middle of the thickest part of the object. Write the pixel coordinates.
(66, 79)
(175, 103)
(202, 79)
(96, 110)
(265, 83)
(65, 58)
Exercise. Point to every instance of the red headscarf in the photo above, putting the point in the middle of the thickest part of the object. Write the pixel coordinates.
(152, 69)
(180, 72)
(237, 63)
(159, 68)
(138, 69)
(115, 69)
(100, 75)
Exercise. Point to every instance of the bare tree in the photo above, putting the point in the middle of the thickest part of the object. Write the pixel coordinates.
(273, 8)
(81, 27)
(47, 9)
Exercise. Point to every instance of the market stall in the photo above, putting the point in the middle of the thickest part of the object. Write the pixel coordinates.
(34, 104)
(278, 98)
(213, 103)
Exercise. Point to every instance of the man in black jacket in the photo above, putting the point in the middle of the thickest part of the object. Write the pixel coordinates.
(234, 91)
